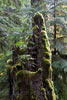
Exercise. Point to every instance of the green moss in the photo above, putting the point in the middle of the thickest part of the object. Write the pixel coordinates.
(47, 55)
(13, 69)
(24, 78)
(28, 74)
(35, 29)
(9, 62)
(44, 92)
(24, 72)
(44, 47)
(49, 84)
(21, 51)
(54, 97)
(44, 41)
(19, 97)
(39, 70)
(38, 16)
(44, 34)
(46, 61)
(50, 87)
(43, 27)
(38, 20)
(23, 81)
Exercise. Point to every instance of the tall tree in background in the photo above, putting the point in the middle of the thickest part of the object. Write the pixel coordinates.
(60, 36)
(54, 28)
(58, 13)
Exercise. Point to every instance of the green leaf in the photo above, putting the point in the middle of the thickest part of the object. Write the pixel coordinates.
(18, 43)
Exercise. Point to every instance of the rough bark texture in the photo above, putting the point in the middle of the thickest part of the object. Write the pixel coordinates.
(33, 81)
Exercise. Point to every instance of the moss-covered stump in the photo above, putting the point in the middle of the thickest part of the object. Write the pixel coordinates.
(12, 69)
(30, 85)
(34, 80)
(40, 51)
(25, 85)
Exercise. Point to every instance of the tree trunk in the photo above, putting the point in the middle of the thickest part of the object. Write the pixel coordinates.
(55, 28)
(28, 82)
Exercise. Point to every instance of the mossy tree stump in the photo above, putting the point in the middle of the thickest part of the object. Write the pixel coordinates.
(34, 82)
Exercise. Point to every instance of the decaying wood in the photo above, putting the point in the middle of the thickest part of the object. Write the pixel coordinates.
(33, 81)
